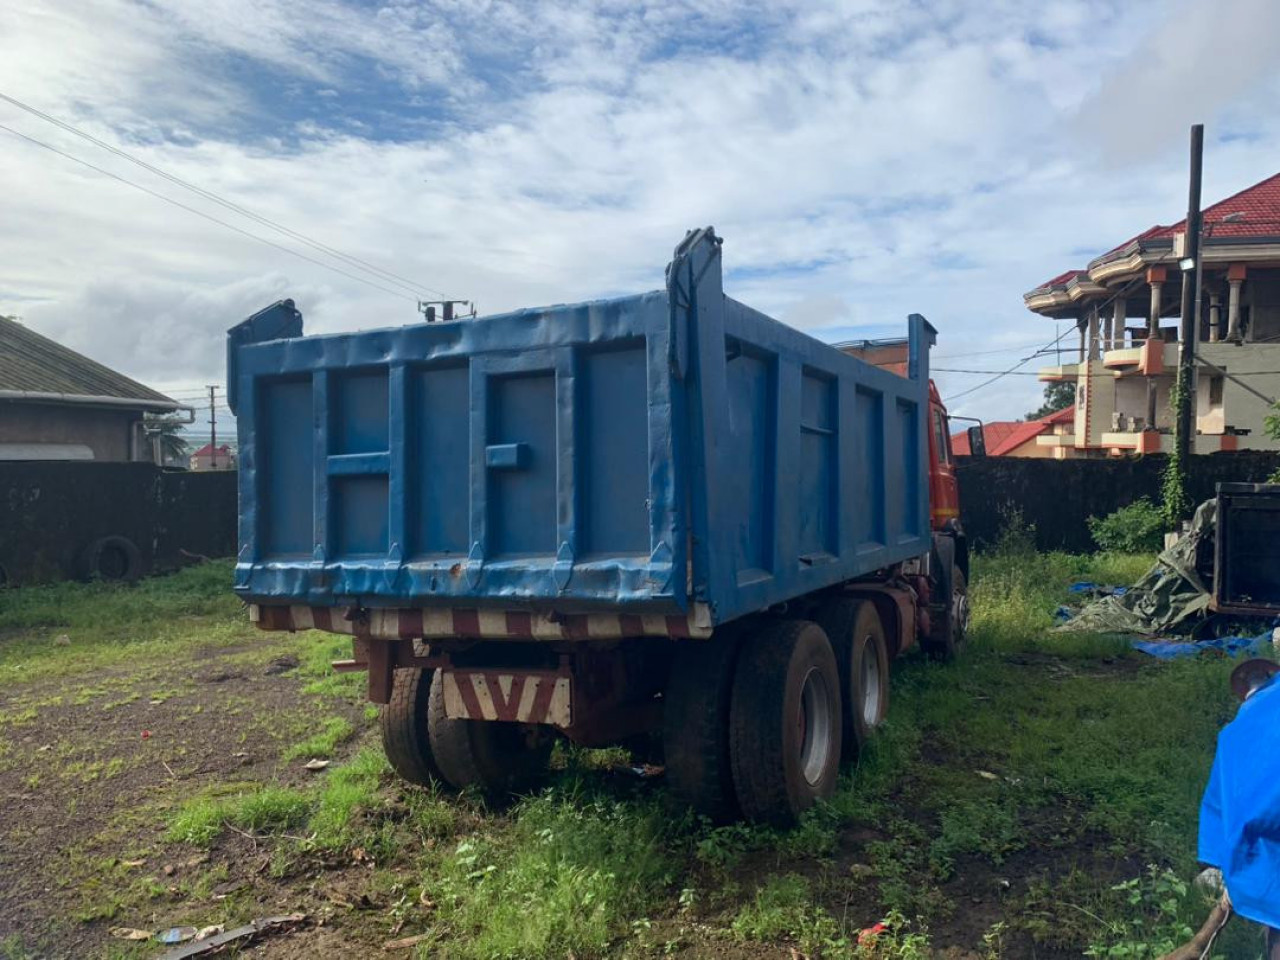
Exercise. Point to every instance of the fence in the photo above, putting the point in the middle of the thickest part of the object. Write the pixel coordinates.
(119, 520)
(1057, 497)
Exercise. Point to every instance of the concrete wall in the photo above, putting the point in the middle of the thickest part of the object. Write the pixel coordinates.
(108, 433)
(1258, 366)
(50, 512)
(1057, 497)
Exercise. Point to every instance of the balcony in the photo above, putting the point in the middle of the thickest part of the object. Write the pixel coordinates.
(1065, 371)
(1125, 357)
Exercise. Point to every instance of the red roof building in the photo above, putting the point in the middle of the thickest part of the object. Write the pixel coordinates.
(1020, 438)
(206, 458)
(1125, 305)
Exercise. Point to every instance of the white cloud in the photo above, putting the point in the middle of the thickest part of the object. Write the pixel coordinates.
(864, 160)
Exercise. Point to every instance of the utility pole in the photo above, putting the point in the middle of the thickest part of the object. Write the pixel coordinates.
(1190, 267)
(213, 427)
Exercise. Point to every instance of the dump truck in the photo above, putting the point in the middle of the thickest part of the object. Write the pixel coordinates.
(665, 518)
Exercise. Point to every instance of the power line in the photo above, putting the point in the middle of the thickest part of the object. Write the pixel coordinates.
(206, 216)
(1004, 373)
(1122, 292)
(387, 275)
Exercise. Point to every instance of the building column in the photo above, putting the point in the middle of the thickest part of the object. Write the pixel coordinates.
(1215, 315)
(1116, 334)
(1235, 280)
(1093, 332)
(1155, 277)
(1082, 326)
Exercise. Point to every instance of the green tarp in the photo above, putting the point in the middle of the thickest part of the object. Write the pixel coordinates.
(1168, 596)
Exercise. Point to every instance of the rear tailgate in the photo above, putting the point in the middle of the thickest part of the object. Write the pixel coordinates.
(507, 461)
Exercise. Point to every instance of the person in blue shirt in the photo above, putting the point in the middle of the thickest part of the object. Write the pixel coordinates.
(1240, 810)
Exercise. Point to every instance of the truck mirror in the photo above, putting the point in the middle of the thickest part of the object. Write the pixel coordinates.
(977, 442)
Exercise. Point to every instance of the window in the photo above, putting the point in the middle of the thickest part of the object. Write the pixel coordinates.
(941, 441)
(1215, 391)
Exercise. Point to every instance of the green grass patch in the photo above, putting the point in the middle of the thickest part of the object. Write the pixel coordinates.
(565, 876)
(333, 732)
(201, 820)
(107, 622)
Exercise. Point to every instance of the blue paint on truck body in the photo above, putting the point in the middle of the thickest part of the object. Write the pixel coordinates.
(664, 453)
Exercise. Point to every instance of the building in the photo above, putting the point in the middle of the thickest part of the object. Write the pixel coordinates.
(56, 404)
(1126, 304)
(1021, 438)
(207, 458)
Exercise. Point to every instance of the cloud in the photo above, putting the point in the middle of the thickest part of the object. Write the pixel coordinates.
(864, 160)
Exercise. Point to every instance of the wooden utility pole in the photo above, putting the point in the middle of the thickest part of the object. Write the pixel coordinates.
(213, 427)
(1190, 267)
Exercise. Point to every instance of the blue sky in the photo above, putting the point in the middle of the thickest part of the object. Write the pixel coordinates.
(863, 160)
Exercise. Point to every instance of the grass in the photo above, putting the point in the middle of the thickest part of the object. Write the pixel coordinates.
(1063, 763)
(1033, 739)
(108, 623)
(333, 732)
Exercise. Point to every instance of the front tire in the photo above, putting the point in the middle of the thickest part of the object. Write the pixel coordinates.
(784, 722)
(949, 635)
(495, 757)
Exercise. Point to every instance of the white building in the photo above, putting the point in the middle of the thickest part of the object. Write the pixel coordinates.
(1125, 305)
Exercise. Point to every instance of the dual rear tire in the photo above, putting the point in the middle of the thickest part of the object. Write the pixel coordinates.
(755, 725)
(756, 728)
(426, 747)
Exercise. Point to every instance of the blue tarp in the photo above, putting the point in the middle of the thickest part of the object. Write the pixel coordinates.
(1088, 586)
(1240, 812)
(1175, 649)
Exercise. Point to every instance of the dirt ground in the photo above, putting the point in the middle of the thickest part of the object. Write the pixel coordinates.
(104, 760)
(1010, 796)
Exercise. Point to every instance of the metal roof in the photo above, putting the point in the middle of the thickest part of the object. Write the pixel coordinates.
(36, 364)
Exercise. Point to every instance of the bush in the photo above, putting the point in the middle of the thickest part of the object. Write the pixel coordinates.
(1137, 528)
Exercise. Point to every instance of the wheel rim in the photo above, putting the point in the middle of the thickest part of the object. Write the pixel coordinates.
(870, 686)
(960, 614)
(815, 726)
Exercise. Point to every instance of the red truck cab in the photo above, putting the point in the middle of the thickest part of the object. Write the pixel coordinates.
(944, 491)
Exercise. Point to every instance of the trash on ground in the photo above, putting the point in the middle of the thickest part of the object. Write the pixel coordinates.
(254, 928)
(176, 934)
(1178, 649)
(204, 933)
(130, 933)
(316, 764)
(405, 942)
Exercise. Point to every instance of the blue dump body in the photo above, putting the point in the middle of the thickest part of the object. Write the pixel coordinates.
(675, 452)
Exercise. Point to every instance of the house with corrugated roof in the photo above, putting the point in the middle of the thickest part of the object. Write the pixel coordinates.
(57, 404)
(1125, 306)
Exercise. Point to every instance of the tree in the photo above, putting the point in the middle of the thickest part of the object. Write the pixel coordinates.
(168, 428)
(1058, 395)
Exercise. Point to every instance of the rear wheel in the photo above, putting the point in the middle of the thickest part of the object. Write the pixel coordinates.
(862, 658)
(784, 721)
(695, 722)
(868, 675)
(492, 756)
(404, 727)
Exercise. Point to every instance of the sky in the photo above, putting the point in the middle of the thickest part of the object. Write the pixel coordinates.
(863, 160)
